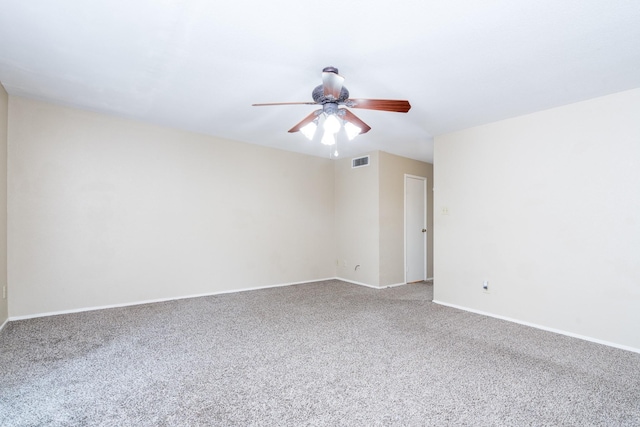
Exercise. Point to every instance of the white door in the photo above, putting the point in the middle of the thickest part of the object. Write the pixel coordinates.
(415, 222)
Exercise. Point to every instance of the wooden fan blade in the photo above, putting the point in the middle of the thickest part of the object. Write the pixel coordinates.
(332, 84)
(379, 104)
(353, 119)
(311, 117)
(283, 103)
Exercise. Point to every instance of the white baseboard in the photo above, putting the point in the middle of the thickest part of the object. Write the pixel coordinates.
(356, 283)
(533, 325)
(394, 285)
(151, 301)
(544, 328)
(370, 286)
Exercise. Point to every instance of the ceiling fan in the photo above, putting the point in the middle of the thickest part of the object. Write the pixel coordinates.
(331, 94)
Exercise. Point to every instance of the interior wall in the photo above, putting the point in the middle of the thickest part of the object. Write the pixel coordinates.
(545, 207)
(357, 221)
(369, 208)
(391, 182)
(4, 112)
(107, 211)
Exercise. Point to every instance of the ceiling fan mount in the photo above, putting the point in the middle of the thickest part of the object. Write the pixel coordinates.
(332, 94)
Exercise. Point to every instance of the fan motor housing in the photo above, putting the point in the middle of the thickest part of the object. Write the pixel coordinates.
(320, 98)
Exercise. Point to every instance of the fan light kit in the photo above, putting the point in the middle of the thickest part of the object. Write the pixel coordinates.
(330, 94)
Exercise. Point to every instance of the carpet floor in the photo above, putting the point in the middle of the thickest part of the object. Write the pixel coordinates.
(320, 354)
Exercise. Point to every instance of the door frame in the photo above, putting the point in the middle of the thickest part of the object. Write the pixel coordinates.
(424, 237)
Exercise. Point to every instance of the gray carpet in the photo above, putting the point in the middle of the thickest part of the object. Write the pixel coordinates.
(325, 354)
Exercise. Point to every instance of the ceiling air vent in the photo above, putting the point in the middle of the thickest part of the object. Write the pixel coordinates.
(360, 162)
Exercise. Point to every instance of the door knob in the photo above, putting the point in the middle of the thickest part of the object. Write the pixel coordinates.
(424, 230)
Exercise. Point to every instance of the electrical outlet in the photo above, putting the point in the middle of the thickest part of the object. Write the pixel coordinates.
(4, 292)
(444, 210)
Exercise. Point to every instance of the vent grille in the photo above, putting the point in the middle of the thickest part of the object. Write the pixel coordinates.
(360, 162)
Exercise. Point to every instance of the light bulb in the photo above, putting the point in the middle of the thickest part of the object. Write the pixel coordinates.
(328, 138)
(331, 124)
(351, 130)
(309, 130)
(335, 153)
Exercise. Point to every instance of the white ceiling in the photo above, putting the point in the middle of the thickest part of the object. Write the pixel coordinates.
(200, 64)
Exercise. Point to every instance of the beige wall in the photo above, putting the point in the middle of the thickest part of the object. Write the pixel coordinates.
(391, 181)
(4, 107)
(108, 211)
(370, 218)
(357, 221)
(546, 208)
